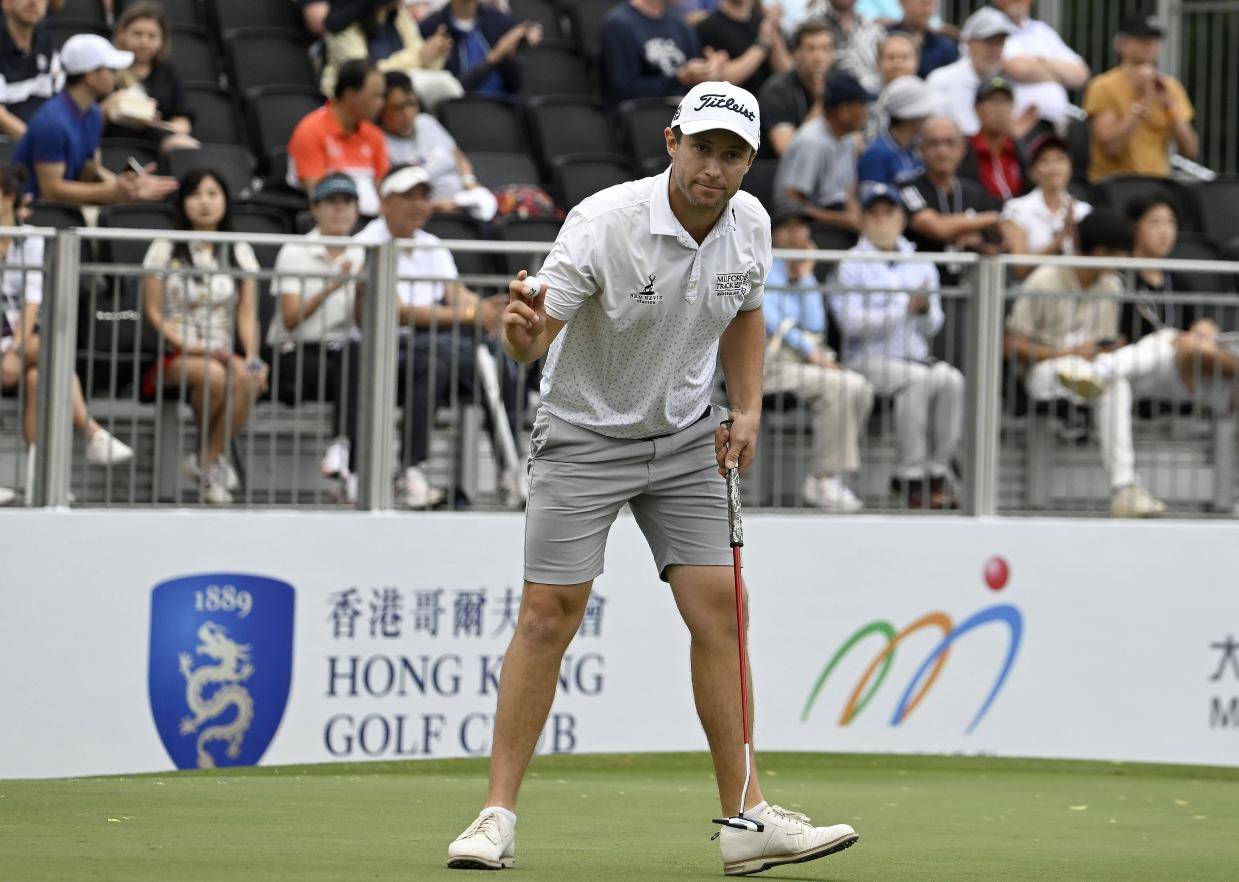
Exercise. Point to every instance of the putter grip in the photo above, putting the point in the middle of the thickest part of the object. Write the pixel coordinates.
(734, 523)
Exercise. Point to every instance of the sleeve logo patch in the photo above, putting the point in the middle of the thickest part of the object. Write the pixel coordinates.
(731, 284)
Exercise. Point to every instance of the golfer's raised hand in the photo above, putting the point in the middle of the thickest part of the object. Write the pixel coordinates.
(736, 444)
(525, 316)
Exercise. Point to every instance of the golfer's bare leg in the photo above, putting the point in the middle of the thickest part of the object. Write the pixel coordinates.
(706, 597)
(549, 617)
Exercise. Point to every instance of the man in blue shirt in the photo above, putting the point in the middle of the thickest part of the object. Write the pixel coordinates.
(485, 43)
(894, 158)
(649, 52)
(799, 362)
(937, 49)
(61, 145)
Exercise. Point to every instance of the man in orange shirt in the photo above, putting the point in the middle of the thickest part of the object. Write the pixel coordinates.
(1135, 110)
(340, 137)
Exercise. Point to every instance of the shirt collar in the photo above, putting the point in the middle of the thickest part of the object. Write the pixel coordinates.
(663, 221)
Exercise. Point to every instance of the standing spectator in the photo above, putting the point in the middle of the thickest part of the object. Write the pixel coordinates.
(1136, 112)
(888, 312)
(750, 34)
(946, 212)
(196, 310)
(856, 40)
(485, 43)
(817, 174)
(793, 97)
(388, 36)
(314, 337)
(647, 51)
(937, 49)
(29, 64)
(799, 362)
(143, 30)
(339, 136)
(60, 149)
(1042, 66)
(894, 158)
(995, 159)
(985, 33)
(1044, 221)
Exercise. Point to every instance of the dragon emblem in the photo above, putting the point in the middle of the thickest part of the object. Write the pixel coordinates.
(232, 669)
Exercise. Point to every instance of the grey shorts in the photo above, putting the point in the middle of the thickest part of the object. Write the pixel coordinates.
(579, 480)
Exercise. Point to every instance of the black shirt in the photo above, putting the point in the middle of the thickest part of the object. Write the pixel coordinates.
(718, 31)
(164, 85)
(1148, 313)
(784, 100)
(28, 79)
(966, 197)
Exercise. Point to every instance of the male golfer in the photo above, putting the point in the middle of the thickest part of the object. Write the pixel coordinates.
(646, 284)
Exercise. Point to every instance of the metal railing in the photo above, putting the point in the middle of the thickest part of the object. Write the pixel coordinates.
(1016, 455)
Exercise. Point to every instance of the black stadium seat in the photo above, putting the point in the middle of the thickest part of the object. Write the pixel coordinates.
(235, 163)
(644, 121)
(230, 14)
(139, 216)
(274, 112)
(468, 263)
(82, 10)
(577, 177)
(116, 152)
(194, 55)
(215, 116)
(555, 68)
(586, 17)
(54, 214)
(525, 230)
(1192, 246)
(760, 181)
(184, 12)
(1119, 191)
(566, 125)
(1218, 205)
(500, 169)
(544, 12)
(490, 125)
(268, 57)
(248, 218)
(62, 29)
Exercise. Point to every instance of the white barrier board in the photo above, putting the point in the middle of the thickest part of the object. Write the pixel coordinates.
(148, 641)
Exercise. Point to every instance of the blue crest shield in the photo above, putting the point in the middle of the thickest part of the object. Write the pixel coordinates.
(220, 666)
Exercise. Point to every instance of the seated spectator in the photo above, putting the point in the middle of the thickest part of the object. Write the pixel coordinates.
(789, 99)
(995, 159)
(750, 35)
(1155, 229)
(694, 11)
(955, 86)
(314, 14)
(417, 138)
(339, 136)
(150, 103)
(817, 174)
(946, 212)
(21, 293)
(60, 149)
(388, 36)
(1136, 112)
(1044, 221)
(856, 39)
(194, 309)
(30, 70)
(1042, 66)
(314, 337)
(897, 57)
(647, 51)
(888, 313)
(437, 321)
(936, 48)
(484, 44)
(893, 158)
(799, 362)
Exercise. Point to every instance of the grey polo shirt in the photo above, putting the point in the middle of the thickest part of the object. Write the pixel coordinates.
(817, 164)
(644, 306)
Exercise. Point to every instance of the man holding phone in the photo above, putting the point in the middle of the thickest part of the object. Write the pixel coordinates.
(1135, 110)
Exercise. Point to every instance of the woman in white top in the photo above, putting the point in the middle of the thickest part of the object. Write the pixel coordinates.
(1044, 221)
(21, 293)
(195, 307)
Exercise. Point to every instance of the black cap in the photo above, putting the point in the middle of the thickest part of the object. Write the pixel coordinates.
(992, 85)
(788, 211)
(1047, 142)
(1141, 26)
(843, 88)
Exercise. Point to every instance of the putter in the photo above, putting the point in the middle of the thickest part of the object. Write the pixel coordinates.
(736, 528)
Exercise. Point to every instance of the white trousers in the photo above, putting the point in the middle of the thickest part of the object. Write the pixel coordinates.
(839, 402)
(929, 412)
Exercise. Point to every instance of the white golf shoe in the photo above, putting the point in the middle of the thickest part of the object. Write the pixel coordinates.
(787, 838)
(489, 843)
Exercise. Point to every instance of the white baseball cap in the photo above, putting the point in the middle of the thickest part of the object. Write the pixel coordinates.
(720, 106)
(909, 98)
(83, 53)
(986, 23)
(402, 180)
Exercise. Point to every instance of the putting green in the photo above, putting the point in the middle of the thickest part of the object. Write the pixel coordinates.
(631, 818)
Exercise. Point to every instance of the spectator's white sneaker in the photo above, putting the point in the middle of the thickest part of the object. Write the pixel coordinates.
(229, 476)
(830, 494)
(7, 496)
(1133, 501)
(415, 490)
(1081, 380)
(489, 843)
(215, 485)
(788, 838)
(335, 460)
(103, 449)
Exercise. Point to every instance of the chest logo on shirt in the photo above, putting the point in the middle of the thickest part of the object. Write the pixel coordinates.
(731, 284)
(647, 294)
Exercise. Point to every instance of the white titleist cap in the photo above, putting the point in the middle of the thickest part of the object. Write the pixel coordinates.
(83, 53)
(719, 106)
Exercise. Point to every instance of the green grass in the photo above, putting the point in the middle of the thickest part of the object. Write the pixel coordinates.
(631, 818)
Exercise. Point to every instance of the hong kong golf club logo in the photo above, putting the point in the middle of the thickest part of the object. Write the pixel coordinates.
(926, 675)
(220, 666)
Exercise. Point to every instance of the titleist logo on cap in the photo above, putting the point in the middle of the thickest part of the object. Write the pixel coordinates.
(727, 103)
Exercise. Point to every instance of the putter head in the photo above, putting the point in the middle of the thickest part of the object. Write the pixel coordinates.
(740, 822)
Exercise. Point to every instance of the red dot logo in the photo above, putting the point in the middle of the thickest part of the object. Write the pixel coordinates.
(996, 573)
